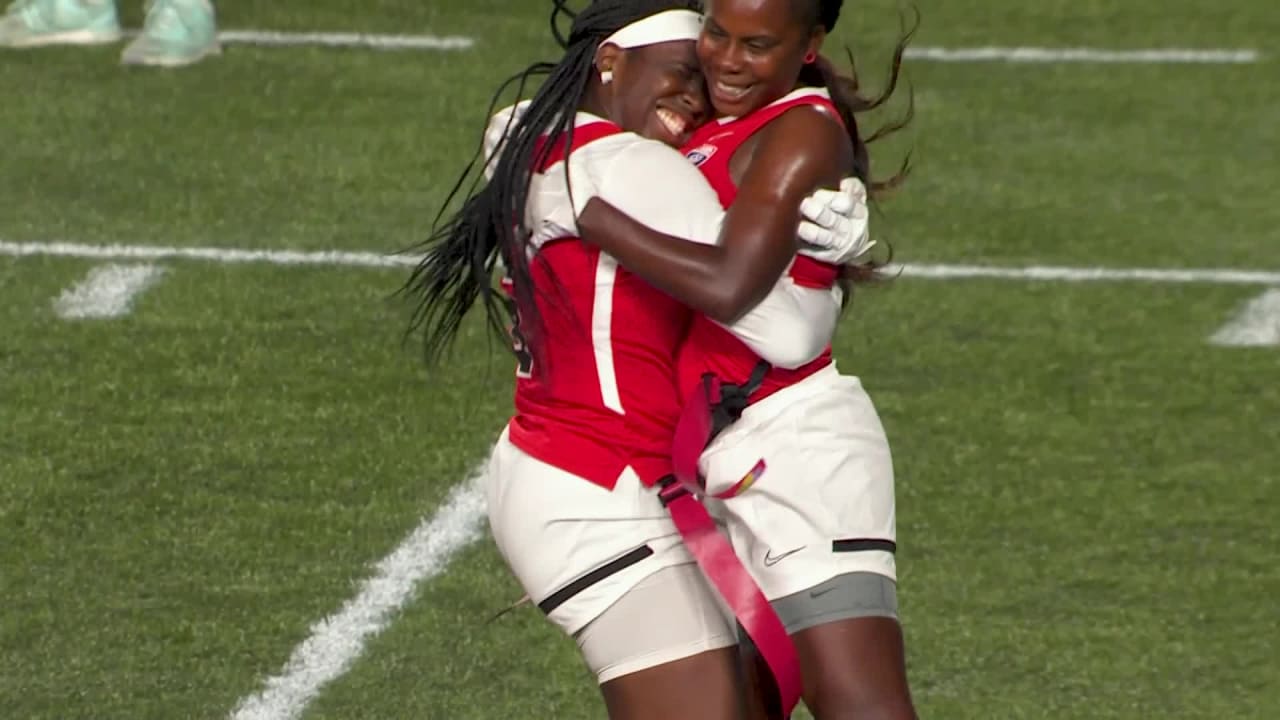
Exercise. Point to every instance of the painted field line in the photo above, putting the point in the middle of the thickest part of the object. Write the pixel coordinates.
(228, 256)
(108, 291)
(341, 258)
(1162, 56)
(377, 41)
(338, 640)
(1256, 325)
(346, 39)
(1049, 273)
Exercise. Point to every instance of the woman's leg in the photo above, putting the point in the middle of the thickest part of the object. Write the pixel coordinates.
(818, 533)
(850, 645)
(665, 651)
(608, 567)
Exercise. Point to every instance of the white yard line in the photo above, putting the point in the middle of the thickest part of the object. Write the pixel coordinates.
(1256, 325)
(377, 41)
(344, 258)
(338, 640)
(1163, 56)
(340, 258)
(346, 39)
(1050, 273)
(108, 291)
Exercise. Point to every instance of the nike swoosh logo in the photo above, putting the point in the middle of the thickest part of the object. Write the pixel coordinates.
(770, 559)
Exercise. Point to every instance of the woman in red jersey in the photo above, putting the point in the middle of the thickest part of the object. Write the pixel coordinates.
(569, 485)
(818, 531)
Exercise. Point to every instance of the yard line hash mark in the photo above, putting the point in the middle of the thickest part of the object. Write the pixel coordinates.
(108, 291)
(1257, 324)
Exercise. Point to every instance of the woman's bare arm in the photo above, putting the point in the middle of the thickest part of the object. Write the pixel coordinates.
(794, 157)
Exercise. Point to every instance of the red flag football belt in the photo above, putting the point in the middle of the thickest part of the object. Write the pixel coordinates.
(712, 550)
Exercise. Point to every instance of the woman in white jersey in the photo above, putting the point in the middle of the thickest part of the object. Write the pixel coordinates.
(569, 486)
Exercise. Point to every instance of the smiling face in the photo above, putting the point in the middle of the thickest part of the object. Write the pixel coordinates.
(752, 51)
(657, 90)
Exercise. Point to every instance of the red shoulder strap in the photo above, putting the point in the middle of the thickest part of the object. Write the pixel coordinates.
(768, 114)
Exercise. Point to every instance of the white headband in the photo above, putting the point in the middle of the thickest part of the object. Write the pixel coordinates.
(667, 26)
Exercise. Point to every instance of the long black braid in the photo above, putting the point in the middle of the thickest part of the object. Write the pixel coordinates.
(462, 251)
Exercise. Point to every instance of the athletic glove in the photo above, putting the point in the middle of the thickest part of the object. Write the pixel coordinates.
(835, 226)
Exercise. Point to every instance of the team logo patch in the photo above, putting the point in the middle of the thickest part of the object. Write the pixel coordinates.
(701, 154)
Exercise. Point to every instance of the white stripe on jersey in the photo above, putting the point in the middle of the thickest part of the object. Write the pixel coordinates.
(602, 332)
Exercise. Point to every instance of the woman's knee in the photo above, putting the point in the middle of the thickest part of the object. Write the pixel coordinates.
(699, 687)
(855, 668)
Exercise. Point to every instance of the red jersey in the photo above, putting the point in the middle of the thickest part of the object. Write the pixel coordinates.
(709, 347)
(598, 394)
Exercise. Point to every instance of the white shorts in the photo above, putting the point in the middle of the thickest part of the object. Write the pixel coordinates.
(825, 504)
(556, 529)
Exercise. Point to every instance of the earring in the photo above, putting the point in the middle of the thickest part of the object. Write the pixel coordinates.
(606, 76)
(810, 58)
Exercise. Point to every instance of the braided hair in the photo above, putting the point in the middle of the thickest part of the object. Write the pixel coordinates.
(463, 250)
(848, 100)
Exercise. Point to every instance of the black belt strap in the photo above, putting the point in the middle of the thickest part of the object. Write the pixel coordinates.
(735, 398)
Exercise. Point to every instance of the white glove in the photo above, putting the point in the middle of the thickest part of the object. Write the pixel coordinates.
(835, 226)
(496, 132)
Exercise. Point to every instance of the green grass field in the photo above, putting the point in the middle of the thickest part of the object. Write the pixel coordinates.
(1087, 488)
